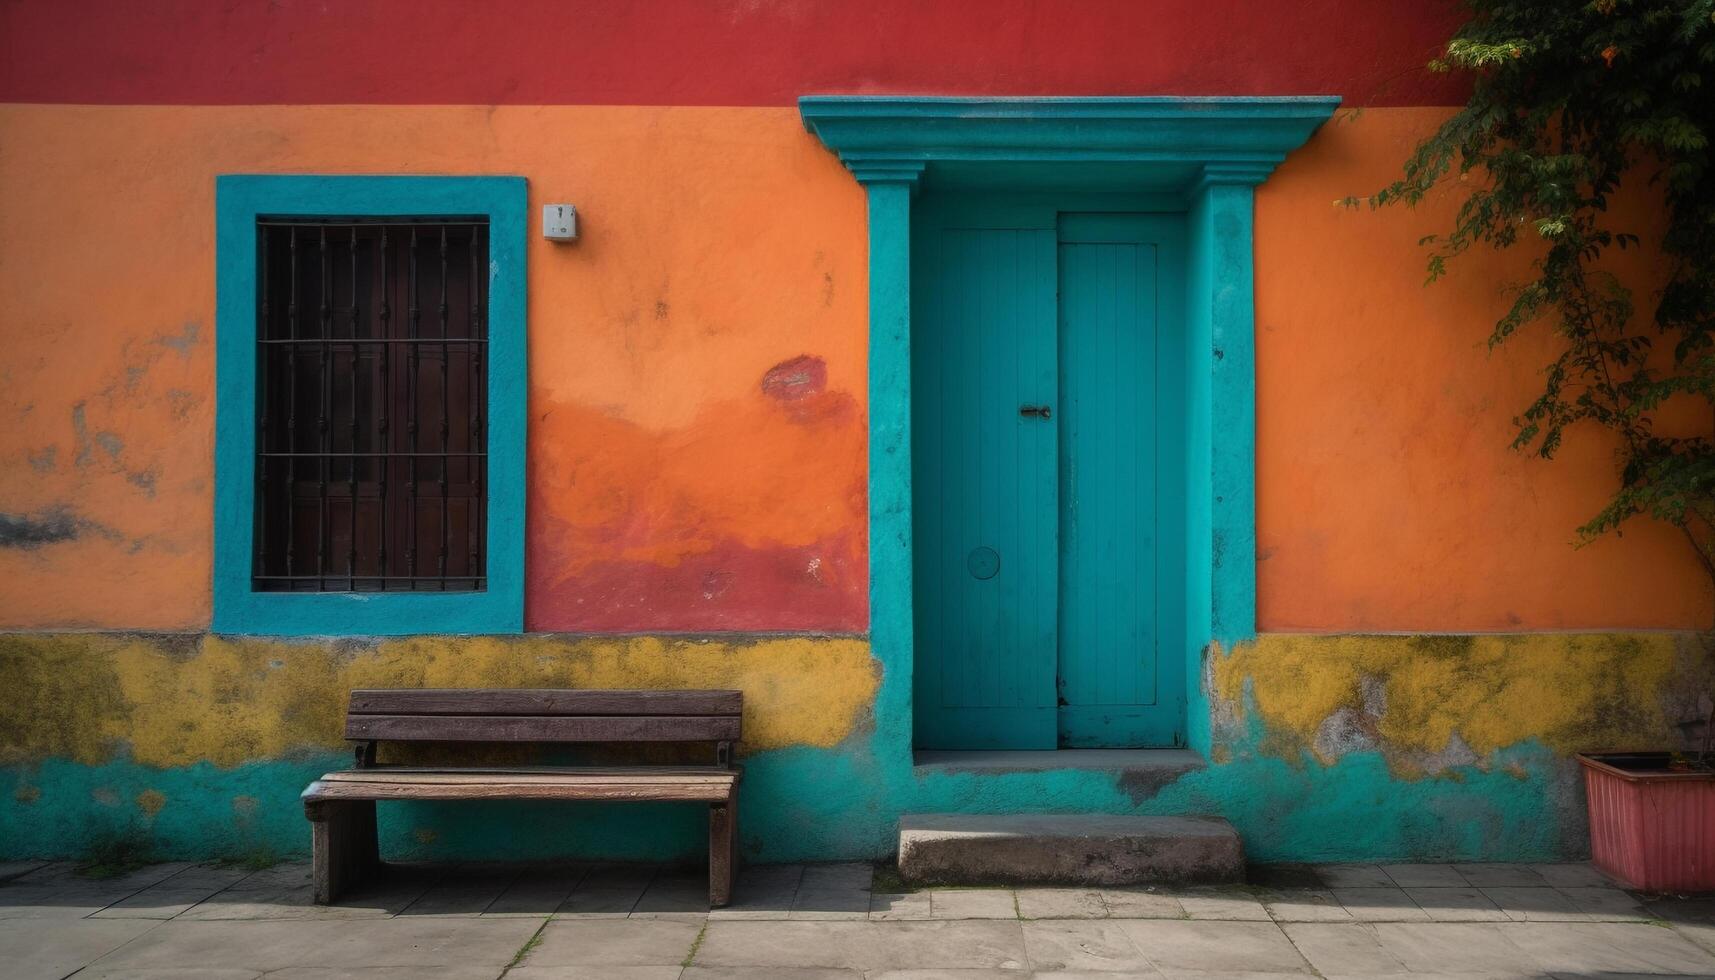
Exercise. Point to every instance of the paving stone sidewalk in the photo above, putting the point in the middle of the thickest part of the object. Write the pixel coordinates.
(821, 922)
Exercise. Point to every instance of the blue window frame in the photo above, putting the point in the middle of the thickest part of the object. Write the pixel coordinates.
(240, 201)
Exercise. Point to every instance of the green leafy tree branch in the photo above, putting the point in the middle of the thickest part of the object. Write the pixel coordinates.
(1568, 101)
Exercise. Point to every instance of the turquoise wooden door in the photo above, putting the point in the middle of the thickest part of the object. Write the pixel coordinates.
(1119, 683)
(985, 479)
(1044, 440)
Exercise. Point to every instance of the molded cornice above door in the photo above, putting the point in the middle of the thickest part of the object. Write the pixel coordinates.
(1140, 143)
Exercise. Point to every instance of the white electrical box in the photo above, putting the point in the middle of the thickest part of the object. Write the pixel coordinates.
(559, 222)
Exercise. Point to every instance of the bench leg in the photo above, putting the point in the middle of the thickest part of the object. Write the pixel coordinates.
(343, 846)
(723, 850)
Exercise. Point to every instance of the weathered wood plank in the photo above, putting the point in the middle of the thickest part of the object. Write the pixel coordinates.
(565, 775)
(544, 701)
(321, 793)
(723, 851)
(342, 847)
(541, 728)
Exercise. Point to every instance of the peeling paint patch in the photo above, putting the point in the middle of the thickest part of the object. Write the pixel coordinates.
(797, 378)
(144, 480)
(174, 701)
(32, 531)
(182, 342)
(1433, 703)
(150, 801)
(43, 460)
(108, 442)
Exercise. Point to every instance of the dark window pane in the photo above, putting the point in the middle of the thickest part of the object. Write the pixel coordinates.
(371, 389)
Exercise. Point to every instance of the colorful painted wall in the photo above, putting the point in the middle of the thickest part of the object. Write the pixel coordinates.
(698, 429)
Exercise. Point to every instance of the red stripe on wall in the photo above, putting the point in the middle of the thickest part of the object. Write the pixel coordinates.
(712, 52)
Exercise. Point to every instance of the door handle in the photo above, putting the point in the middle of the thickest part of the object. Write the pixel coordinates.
(1036, 411)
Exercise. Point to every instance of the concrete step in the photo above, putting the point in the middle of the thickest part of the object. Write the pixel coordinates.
(1067, 848)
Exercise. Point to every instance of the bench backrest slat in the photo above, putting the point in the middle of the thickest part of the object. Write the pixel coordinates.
(544, 702)
(543, 715)
(542, 728)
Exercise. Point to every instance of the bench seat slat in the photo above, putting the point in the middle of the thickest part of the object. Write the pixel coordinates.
(387, 772)
(518, 788)
(542, 728)
(689, 778)
(544, 701)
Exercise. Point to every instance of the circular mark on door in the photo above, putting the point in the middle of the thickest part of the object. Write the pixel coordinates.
(983, 563)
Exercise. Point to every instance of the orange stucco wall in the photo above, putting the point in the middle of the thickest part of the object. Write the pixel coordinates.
(1387, 496)
(697, 366)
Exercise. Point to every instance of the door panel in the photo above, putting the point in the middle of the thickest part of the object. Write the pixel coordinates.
(1113, 467)
(985, 484)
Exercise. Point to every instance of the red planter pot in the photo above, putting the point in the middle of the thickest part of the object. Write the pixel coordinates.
(1652, 828)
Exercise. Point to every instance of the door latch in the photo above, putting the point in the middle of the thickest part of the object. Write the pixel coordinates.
(1036, 411)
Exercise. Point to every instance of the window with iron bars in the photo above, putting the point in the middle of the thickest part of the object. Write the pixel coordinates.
(371, 396)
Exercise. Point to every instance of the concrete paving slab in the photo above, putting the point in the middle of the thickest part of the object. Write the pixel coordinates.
(1462, 904)
(1500, 875)
(988, 975)
(1340, 947)
(385, 973)
(823, 904)
(168, 973)
(762, 892)
(977, 944)
(54, 948)
(1060, 903)
(1380, 905)
(1082, 945)
(1232, 946)
(538, 890)
(1579, 875)
(464, 890)
(59, 891)
(972, 903)
(1607, 904)
(1282, 877)
(1305, 905)
(1424, 875)
(288, 893)
(14, 869)
(607, 891)
(282, 944)
(176, 894)
(613, 942)
(53, 901)
(767, 973)
(894, 906)
(678, 894)
(1454, 947)
(1507, 975)
(836, 877)
(1145, 903)
(1609, 947)
(594, 973)
(52, 871)
(1534, 904)
(1353, 876)
(833, 891)
(1230, 904)
(1700, 933)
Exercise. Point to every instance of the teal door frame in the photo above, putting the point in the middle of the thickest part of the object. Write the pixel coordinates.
(1210, 153)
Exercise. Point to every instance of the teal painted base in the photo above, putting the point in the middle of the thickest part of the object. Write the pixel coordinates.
(823, 805)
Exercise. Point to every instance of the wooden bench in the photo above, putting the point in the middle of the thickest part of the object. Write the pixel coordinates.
(341, 805)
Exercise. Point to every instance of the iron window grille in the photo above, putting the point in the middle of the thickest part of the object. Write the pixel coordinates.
(371, 463)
